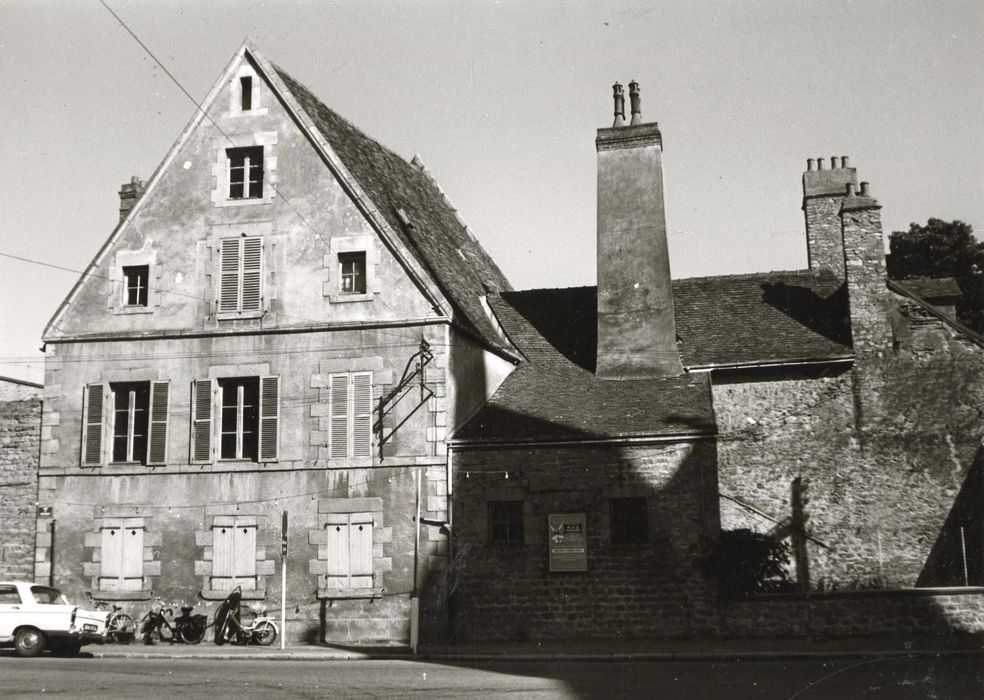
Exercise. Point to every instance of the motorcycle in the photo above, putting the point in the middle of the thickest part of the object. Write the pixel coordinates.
(159, 624)
(229, 628)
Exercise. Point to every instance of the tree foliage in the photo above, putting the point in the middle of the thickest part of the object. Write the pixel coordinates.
(943, 249)
(747, 562)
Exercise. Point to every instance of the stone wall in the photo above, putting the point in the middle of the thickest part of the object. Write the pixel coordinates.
(20, 431)
(903, 612)
(629, 590)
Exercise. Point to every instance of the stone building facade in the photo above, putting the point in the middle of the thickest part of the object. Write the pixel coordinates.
(20, 434)
(282, 326)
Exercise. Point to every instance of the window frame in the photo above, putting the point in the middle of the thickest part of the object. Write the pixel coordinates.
(506, 529)
(357, 275)
(130, 557)
(243, 571)
(629, 520)
(142, 291)
(205, 439)
(243, 175)
(242, 451)
(241, 272)
(99, 423)
(137, 399)
(351, 421)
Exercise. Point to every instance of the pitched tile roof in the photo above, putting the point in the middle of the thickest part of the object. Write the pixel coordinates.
(931, 288)
(555, 396)
(737, 319)
(457, 261)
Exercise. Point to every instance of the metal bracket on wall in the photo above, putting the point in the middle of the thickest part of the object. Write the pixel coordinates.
(413, 371)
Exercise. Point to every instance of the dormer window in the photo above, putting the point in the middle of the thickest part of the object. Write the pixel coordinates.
(136, 279)
(246, 93)
(245, 172)
(353, 272)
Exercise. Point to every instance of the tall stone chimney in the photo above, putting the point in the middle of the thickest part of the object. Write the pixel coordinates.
(130, 192)
(636, 326)
(823, 191)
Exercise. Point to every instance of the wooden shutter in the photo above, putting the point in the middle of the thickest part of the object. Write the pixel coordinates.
(92, 425)
(230, 275)
(201, 421)
(360, 550)
(223, 563)
(131, 569)
(244, 556)
(157, 424)
(362, 414)
(111, 557)
(339, 408)
(252, 297)
(269, 418)
(338, 570)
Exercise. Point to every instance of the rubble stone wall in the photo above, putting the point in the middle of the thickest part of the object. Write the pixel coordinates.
(20, 432)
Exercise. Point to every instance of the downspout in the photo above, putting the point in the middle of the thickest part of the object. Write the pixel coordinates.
(415, 594)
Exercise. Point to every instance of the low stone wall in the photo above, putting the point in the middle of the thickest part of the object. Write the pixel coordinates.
(857, 613)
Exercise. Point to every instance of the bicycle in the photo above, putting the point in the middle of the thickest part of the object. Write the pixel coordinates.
(120, 627)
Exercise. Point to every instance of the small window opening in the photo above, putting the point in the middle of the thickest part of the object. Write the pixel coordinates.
(630, 520)
(505, 522)
(135, 280)
(245, 172)
(353, 272)
(246, 93)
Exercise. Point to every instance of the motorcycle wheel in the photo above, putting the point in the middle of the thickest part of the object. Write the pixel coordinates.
(265, 633)
(121, 629)
(191, 633)
(149, 630)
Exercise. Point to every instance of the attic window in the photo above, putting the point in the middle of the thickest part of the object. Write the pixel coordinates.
(245, 172)
(246, 93)
(136, 279)
(352, 268)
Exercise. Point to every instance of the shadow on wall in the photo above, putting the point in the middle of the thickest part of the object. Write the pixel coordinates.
(957, 557)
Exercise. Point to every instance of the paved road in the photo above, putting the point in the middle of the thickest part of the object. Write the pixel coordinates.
(946, 678)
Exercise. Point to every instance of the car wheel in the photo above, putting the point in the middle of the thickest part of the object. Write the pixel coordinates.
(29, 642)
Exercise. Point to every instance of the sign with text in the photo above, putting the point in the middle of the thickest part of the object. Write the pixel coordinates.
(568, 542)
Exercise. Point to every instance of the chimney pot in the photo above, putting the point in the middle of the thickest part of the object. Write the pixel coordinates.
(843, 161)
(634, 100)
(865, 191)
(834, 163)
(619, 97)
(850, 189)
(810, 162)
(820, 163)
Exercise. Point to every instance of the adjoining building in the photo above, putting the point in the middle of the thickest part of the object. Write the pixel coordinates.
(20, 435)
(292, 343)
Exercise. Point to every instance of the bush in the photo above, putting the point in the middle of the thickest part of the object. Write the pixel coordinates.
(747, 562)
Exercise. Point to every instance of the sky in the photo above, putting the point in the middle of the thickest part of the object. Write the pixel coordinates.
(502, 101)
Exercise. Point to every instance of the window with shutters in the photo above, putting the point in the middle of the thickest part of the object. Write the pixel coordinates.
(235, 418)
(125, 422)
(349, 550)
(121, 555)
(350, 409)
(234, 555)
(245, 172)
(241, 276)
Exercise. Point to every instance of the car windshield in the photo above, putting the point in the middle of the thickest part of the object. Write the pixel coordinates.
(48, 596)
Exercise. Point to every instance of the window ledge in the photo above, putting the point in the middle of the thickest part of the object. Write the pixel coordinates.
(341, 298)
(146, 594)
(349, 593)
(246, 202)
(238, 315)
(134, 310)
(211, 594)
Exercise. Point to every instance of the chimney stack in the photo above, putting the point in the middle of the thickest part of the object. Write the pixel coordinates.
(636, 325)
(823, 191)
(130, 192)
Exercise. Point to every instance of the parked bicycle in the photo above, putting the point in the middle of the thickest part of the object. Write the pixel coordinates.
(229, 628)
(159, 624)
(120, 627)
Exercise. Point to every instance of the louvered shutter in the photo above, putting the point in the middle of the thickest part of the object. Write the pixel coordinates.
(339, 408)
(362, 414)
(157, 426)
(131, 572)
(269, 418)
(230, 275)
(111, 556)
(244, 556)
(337, 529)
(201, 421)
(252, 274)
(360, 550)
(223, 562)
(92, 425)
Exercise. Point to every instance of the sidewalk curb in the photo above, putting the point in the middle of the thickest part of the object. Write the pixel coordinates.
(317, 655)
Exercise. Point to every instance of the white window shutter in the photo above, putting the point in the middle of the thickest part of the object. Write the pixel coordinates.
(362, 414)
(360, 548)
(201, 421)
(111, 557)
(244, 556)
(269, 418)
(131, 571)
(92, 425)
(252, 291)
(230, 274)
(223, 562)
(338, 571)
(157, 425)
(338, 435)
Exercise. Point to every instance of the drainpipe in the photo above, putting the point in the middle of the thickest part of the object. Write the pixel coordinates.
(415, 594)
(51, 554)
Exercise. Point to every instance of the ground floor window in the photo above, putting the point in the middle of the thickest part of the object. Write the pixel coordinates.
(234, 554)
(505, 522)
(349, 550)
(630, 520)
(121, 555)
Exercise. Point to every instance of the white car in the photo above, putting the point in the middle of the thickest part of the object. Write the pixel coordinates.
(35, 617)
